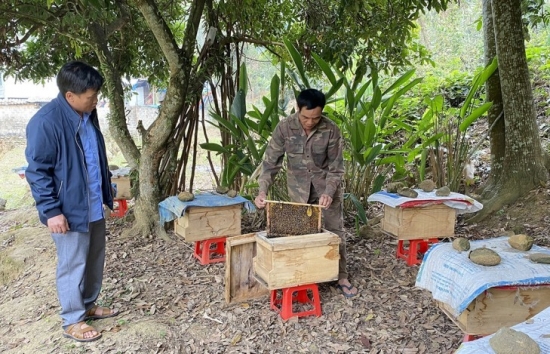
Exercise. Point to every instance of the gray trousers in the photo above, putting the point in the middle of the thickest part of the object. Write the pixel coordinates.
(333, 221)
(80, 263)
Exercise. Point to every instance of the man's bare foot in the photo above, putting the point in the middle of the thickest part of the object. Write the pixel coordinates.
(347, 289)
(82, 332)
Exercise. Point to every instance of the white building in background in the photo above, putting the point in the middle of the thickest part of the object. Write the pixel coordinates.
(2, 86)
(27, 91)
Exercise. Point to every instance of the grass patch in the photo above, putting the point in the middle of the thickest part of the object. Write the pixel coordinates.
(9, 268)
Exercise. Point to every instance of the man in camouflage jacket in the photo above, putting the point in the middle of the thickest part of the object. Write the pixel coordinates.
(313, 147)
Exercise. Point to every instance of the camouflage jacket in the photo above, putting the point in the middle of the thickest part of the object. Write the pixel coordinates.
(315, 159)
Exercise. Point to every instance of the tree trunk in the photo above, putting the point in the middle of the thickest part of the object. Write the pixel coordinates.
(523, 165)
(495, 115)
(156, 137)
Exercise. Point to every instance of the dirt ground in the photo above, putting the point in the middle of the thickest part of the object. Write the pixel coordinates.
(172, 304)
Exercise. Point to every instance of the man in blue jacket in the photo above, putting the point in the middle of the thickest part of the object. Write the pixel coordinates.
(70, 181)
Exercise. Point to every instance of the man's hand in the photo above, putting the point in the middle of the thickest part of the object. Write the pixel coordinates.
(58, 224)
(325, 201)
(260, 200)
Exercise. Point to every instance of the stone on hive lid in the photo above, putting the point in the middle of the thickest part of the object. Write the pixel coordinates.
(461, 244)
(509, 341)
(427, 185)
(407, 192)
(186, 196)
(484, 256)
(443, 191)
(521, 242)
(543, 258)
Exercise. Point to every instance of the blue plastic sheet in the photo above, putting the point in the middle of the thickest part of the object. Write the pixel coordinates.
(172, 208)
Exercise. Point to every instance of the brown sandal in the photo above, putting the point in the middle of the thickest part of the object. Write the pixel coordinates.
(92, 314)
(76, 331)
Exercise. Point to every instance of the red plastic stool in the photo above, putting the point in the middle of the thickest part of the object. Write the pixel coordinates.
(210, 251)
(298, 294)
(410, 254)
(470, 337)
(120, 207)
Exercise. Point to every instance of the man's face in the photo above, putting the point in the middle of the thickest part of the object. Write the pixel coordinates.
(84, 102)
(309, 118)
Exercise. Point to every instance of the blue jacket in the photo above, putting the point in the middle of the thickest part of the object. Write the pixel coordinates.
(57, 167)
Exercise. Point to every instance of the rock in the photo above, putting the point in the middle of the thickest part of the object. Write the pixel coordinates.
(368, 232)
(113, 167)
(3, 204)
(222, 190)
(186, 196)
(521, 242)
(484, 256)
(407, 192)
(509, 341)
(427, 185)
(461, 244)
(393, 187)
(443, 191)
(543, 258)
(232, 193)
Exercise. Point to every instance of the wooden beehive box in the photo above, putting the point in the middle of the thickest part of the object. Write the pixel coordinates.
(123, 188)
(419, 223)
(288, 218)
(204, 223)
(500, 307)
(283, 262)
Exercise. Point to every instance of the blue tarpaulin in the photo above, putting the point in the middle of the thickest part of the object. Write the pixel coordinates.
(172, 208)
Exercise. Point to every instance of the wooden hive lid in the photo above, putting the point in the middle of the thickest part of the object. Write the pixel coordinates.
(301, 241)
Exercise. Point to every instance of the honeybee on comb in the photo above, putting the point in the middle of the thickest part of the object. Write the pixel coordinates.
(292, 219)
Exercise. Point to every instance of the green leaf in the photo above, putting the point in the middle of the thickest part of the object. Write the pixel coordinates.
(226, 124)
(238, 108)
(391, 101)
(252, 149)
(241, 125)
(214, 147)
(370, 132)
(325, 67)
(358, 206)
(475, 115)
(265, 116)
(334, 88)
(404, 78)
(378, 183)
(376, 98)
(478, 81)
(243, 79)
(297, 60)
(372, 153)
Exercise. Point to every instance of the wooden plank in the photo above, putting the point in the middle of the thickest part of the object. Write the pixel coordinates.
(240, 284)
(203, 223)
(294, 203)
(500, 307)
(419, 223)
(299, 242)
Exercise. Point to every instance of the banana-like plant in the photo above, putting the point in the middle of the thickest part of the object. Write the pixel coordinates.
(249, 130)
(363, 110)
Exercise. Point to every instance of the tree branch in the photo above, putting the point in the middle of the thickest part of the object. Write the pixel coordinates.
(120, 21)
(162, 33)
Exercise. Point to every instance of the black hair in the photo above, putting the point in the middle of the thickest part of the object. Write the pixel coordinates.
(311, 98)
(78, 77)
